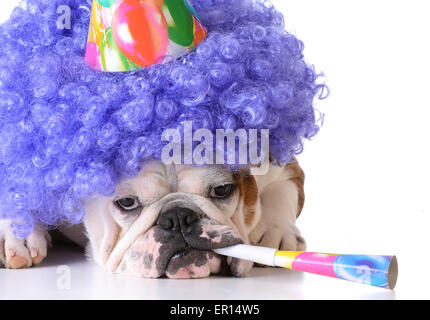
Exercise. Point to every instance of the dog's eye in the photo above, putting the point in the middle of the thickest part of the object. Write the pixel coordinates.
(128, 203)
(222, 192)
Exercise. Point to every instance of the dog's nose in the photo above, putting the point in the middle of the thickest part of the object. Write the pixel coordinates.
(178, 219)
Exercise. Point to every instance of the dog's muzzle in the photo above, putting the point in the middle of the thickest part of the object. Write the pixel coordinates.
(180, 244)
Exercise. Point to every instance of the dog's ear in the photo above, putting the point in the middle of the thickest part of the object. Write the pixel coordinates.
(297, 176)
(250, 199)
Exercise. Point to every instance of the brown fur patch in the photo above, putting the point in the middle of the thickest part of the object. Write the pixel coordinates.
(298, 177)
(249, 190)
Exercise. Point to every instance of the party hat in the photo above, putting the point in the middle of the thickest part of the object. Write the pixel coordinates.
(127, 35)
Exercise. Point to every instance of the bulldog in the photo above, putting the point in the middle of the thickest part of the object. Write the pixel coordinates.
(166, 221)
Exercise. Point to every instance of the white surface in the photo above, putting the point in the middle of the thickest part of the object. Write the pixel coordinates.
(89, 281)
(367, 171)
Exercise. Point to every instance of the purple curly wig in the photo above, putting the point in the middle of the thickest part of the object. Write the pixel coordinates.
(68, 132)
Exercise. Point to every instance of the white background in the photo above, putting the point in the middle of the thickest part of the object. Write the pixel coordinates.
(367, 171)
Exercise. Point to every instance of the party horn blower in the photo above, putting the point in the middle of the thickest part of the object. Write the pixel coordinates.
(374, 270)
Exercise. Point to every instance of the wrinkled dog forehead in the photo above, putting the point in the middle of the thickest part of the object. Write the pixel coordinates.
(157, 180)
(162, 187)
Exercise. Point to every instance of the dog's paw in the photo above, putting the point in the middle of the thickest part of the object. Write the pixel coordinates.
(288, 239)
(22, 253)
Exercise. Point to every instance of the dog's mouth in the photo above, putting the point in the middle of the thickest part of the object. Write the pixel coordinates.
(181, 256)
(194, 263)
(180, 253)
(189, 254)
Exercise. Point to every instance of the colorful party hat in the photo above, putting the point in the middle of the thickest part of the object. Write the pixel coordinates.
(127, 35)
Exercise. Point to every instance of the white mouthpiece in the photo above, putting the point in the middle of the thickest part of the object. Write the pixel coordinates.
(260, 255)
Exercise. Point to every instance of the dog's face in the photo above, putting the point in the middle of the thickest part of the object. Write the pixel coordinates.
(167, 220)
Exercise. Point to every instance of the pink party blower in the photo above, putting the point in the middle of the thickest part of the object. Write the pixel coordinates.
(374, 270)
